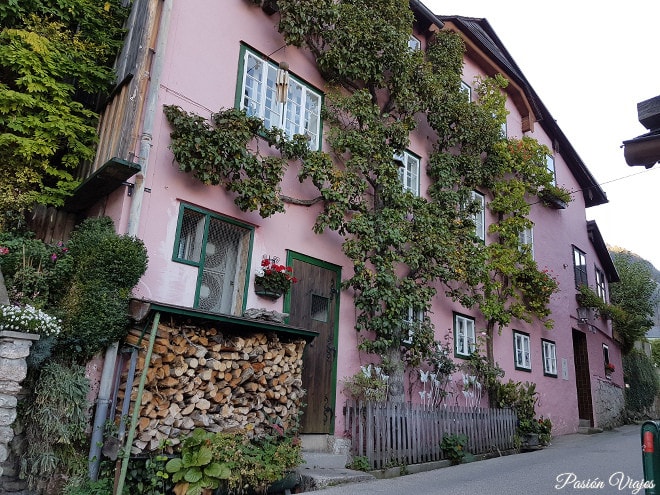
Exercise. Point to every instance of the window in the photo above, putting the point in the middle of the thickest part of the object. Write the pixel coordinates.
(549, 358)
(410, 320)
(479, 218)
(601, 287)
(521, 351)
(464, 335)
(408, 171)
(219, 249)
(465, 88)
(606, 354)
(579, 267)
(526, 240)
(550, 165)
(299, 114)
(414, 44)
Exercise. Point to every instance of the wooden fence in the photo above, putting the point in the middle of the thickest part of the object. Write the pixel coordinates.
(390, 434)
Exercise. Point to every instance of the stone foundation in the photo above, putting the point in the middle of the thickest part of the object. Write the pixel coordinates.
(609, 404)
(14, 348)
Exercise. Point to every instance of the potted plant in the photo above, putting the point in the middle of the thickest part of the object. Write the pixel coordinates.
(272, 279)
(609, 369)
(555, 197)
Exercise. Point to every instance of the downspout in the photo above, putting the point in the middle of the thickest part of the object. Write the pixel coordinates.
(105, 388)
(149, 117)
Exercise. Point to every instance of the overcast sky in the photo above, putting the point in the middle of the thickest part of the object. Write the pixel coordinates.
(591, 63)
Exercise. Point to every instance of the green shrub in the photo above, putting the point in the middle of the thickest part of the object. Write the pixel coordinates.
(453, 447)
(359, 463)
(640, 375)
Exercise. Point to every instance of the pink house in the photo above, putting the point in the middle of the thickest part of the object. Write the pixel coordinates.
(203, 250)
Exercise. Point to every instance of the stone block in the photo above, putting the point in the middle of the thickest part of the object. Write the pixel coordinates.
(7, 416)
(13, 369)
(9, 386)
(15, 349)
(4, 453)
(6, 434)
(8, 400)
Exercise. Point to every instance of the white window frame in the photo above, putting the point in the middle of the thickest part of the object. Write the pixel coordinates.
(409, 166)
(464, 335)
(300, 114)
(526, 238)
(413, 317)
(479, 218)
(467, 89)
(549, 357)
(550, 166)
(522, 354)
(601, 284)
(414, 44)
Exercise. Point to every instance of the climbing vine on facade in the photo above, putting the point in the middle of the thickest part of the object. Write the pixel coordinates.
(405, 247)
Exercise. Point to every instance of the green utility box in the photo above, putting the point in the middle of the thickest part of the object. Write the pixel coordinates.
(651, 456)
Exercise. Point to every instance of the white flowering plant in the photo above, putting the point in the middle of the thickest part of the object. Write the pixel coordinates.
(28, 319)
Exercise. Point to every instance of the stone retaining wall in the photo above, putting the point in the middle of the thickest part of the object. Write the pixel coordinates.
(610, 403)
(14, 349)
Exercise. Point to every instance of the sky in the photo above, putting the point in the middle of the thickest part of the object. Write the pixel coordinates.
(590, 63)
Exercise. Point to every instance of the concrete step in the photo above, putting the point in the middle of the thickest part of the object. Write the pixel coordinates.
(589, 430)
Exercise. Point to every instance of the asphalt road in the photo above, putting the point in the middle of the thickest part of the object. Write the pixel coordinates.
(604, 464)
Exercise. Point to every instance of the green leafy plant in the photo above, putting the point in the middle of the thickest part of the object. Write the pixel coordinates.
(453, 447)
(233, 461)
(197, 470)
(643, 385)
(544, 430)
(359, 463)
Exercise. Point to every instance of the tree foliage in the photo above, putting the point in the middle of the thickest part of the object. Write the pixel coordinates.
(405, 249)
(636, 295)
(54, 59)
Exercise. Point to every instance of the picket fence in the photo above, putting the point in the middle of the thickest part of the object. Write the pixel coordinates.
(399, 434)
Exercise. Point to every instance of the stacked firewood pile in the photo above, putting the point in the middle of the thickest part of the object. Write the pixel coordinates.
(203, 377)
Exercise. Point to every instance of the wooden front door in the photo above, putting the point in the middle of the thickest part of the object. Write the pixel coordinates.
(582, 377)
(313, 303)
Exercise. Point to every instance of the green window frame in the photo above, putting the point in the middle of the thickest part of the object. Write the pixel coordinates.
(256, 93)
(221, 249)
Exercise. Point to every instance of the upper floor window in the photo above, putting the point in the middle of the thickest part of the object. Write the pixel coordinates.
(414, 44)
(465, 88)
(408, 171)
(579, 267)
(297, 111)
(410, 320)
(479, 217)
(526, 240)
(549, 357)
(550, 165)
(601, 287)
(521, 351)
(219, 249)
(464, 335)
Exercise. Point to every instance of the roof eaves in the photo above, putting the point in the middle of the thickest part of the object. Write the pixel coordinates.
(602, 252)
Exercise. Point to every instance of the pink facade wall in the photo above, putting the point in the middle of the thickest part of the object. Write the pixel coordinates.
(200, 75)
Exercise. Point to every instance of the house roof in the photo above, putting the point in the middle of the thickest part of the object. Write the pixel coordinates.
(481, 34)
(602, 252)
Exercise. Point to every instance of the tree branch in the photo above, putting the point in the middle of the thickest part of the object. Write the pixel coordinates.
(302, 202)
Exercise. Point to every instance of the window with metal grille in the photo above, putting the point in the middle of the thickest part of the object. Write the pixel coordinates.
(299, 113)
(219, 249)
(411, 320)
(580, 267)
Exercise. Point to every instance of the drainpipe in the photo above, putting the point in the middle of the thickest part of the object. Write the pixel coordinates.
(133, 222)
(149, 116)
(126, 454)
(102, 406)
